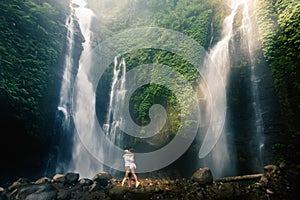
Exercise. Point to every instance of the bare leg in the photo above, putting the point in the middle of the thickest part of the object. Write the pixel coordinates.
(129, 180)
(137, 183)
(126, 177)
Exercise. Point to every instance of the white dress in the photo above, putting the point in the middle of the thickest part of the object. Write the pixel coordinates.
(129, 161)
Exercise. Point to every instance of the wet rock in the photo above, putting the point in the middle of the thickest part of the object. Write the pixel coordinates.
(203, 176)
(269, 191)
(43, 180)
(71, 178)
(63, 194)
(59, 178)
(19, 183)
(95, 186)
(229, 190)
(43, 191)
(102, 175)
(271, 169)
(102, 178)
(85, 182)
(263, 180)
(117, 192)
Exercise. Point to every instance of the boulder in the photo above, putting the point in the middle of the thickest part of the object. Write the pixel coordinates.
(59, 178)
(102, 178)
(203, 176)
(85, 182)
(102, 175)
(43, 191)
(95, 187)
(43, 180)
(271, 169)
(72, 178)
(20, 182)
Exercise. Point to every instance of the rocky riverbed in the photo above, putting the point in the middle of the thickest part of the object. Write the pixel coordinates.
(277, 182)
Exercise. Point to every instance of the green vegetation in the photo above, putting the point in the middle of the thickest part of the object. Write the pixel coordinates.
(192, 18)
(32, 42)
(279, 27)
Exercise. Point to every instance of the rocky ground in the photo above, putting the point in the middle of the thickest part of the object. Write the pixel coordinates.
(278, 182)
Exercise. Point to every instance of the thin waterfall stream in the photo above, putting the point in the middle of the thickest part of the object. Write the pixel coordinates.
(116, 98)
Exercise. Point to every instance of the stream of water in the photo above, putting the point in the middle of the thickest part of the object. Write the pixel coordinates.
(223, 158)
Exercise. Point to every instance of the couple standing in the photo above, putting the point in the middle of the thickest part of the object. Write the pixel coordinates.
(130, 166)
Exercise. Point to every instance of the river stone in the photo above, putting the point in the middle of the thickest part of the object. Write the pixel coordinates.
(43, 191)
(271, 169)
(43, 180)
(72, 178)
(96, 186)
(203, 176)
(85, 182)
(20, 182)
(102, 175)
(102, 178)
(59, 178)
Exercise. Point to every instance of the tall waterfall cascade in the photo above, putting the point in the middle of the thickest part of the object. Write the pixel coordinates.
(66, 97)
(76, 91)
(224, 55)
(78, 101)
(82, 161)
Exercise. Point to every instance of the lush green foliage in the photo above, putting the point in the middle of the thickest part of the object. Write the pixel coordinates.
(32, 41)
(192, 18)
(279, 27)
(31, 46)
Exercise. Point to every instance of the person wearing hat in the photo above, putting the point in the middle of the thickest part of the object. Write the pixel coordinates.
(130, 166)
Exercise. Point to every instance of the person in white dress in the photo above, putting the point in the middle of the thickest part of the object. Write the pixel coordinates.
(130, 166)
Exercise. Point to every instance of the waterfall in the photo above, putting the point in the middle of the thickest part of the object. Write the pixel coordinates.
(219, 56)
(64, 122)
(114, 117)
(82, 161)
(225, 56)
(250, 33)
(76, 92)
